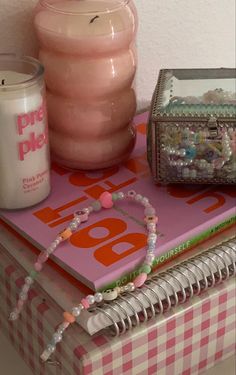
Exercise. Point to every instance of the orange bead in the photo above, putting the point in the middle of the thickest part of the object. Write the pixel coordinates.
(68, 317)
(65, 234)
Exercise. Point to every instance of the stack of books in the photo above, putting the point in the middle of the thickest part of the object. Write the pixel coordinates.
(107, 251)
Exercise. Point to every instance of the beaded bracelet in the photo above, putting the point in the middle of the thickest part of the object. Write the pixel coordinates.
(106, 200)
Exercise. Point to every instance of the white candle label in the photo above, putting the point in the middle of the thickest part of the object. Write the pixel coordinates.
(33, 142)
(32, 183)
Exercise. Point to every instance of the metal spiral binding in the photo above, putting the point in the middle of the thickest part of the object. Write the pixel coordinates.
(213, 266)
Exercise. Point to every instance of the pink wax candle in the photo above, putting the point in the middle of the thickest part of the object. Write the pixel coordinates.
(87, 48)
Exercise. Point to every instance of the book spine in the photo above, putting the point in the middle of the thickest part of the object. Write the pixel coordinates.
(173, 253)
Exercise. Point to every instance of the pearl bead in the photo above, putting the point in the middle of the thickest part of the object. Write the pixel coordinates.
(138, 197)
(77, 220)
(23, 296)
(57, 337)
(76, 311)
(13, 315)
(145, 201)
(51, 348)
(73, 225)
(52, 247)
(152, 238)
(131, 287)
(90, 299)
(25, 288)
(98, 297)
(120, 195)
(29, 280)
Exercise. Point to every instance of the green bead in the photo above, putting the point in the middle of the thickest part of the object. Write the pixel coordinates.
(33, 274)
(96, 205)
(146, 269)
(114, 196)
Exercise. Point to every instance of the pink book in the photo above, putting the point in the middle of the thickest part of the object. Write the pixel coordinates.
(108, 249)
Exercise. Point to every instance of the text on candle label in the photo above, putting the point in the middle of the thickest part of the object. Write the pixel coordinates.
(28, 121)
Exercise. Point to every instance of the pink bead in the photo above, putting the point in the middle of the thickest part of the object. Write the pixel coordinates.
(85, 303)
(20, 303)
(140, 280)
(106, 200)
(38, 266)
(43, 257)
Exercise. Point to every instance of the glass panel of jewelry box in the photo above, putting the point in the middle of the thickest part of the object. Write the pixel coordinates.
(198, 92)
(188, 153)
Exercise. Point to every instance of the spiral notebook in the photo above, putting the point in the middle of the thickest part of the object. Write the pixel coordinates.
(164, 290)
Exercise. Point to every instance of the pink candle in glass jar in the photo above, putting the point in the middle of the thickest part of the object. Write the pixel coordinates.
(87, 48)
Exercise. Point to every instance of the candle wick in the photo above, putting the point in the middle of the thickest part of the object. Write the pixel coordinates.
(93, 19)
(3, 82)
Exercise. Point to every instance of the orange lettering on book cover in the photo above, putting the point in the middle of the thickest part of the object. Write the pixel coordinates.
(48, 214)
(107, 256)
(218, 198)
(83, 238)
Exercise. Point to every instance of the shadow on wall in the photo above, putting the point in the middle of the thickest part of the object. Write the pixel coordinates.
(16, 30)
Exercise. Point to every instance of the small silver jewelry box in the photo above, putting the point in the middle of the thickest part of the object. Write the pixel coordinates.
(192, 127)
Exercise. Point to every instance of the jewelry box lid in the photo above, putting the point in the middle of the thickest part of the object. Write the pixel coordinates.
(195, 93)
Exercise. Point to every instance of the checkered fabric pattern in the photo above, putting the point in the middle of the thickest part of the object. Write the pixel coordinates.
(186, 341)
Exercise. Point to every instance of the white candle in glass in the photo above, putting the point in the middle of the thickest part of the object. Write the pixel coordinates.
(24, 152)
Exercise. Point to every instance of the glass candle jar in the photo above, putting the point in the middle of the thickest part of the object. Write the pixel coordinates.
(87, 48)
(24, 151)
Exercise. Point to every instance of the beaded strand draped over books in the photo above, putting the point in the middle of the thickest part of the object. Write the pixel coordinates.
(106, 200)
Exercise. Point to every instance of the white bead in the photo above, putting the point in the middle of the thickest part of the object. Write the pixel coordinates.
(182, 152)
(138, 197)
(145, 201)
(29, 280)
(13, 316)
(90, 299)
(51, 348)
(25, 288)
(23, 296)
(98, 297)
(77, 219)
(152, 238)
(109, 295)
(73, 225)
(45, 355)
(53, 246)
(57, 337)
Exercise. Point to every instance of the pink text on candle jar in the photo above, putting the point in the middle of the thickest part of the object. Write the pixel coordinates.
(35, 141)
(30, 119)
